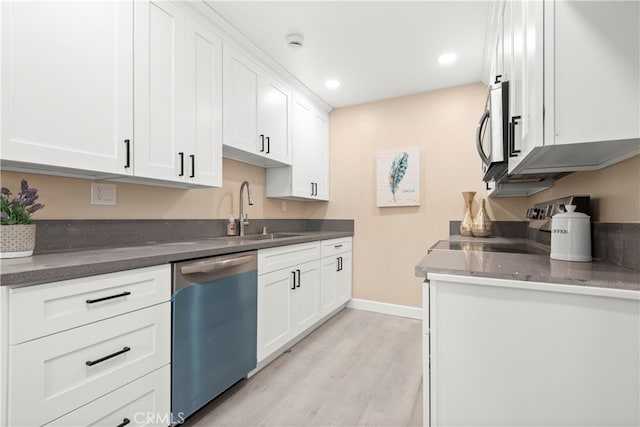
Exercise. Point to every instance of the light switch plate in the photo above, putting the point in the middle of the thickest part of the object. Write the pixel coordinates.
(103, 194)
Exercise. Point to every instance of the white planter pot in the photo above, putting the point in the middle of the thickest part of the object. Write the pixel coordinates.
(17, 240)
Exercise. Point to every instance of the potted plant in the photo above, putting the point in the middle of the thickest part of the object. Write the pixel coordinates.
(17, 233)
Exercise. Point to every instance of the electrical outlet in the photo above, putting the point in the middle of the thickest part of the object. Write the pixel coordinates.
(284, 206)
(103, 194)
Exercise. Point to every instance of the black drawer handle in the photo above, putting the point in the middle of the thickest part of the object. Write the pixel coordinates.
(124, 422)
(181, 164)
(124, 294)
(193, 165)
(262, 143)
(102, 359)
(268, 145)
(298, 271)
(294, 280)
(337, 246)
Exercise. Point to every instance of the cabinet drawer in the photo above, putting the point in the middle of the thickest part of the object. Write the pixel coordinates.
(36, 311)
(336, 246)
(144, 402)
(274, 259)
(51, 376)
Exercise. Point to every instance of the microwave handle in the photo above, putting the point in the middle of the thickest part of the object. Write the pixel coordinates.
(479, 128)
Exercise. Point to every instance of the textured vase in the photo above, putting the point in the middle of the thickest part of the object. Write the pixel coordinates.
(467, 219)
(17, 240)
(482, 224)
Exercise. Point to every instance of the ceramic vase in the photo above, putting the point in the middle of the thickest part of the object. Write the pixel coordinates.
(17, 240)
(482, 224)
(467, 219)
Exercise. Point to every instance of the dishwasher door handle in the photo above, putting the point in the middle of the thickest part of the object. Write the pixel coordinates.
(213, 265)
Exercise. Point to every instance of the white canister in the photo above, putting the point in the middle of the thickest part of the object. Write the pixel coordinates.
(571, 236)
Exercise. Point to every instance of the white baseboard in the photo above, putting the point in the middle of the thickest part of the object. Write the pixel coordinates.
(384, 308)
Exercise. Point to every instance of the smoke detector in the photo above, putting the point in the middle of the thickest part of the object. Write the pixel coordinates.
(295, 41)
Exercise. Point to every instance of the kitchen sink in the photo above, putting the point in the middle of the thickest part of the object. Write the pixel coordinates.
(270, 236)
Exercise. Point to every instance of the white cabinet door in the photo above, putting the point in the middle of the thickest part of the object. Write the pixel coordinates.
(275, 325)
(306, 296)
(240, 82)
(328, 287)
(274, 119)
(159, 72)
(343, 279)
(257, 118)
(319, 155)
(308, 176)
(529, 128)
(203, 105)
(67, 80)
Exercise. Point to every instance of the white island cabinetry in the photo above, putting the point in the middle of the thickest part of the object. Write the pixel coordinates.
(516, 353)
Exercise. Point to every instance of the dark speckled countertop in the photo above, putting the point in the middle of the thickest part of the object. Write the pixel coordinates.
(87, 262)
(525, 267)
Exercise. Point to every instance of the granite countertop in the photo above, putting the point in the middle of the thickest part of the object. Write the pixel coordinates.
(87, 262)
(525, 267)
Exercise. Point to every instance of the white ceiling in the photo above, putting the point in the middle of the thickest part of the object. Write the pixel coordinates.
(376, 49)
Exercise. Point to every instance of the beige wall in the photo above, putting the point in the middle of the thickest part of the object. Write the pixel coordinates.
(70, 198)
(389, 242)
(614, 191)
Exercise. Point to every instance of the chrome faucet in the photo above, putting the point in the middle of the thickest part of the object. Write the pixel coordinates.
(243, 217)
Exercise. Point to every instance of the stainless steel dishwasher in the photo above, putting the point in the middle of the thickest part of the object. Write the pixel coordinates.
(214, 309)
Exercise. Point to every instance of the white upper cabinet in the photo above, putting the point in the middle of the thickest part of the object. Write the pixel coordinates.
(308, 176)
(178, 133)
(67, 84)
(257, 113)
(574, 84)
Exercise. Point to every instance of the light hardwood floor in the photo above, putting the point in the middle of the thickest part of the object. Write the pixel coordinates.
(357, 369)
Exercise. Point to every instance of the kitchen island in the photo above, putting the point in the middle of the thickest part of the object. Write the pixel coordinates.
(517, 339)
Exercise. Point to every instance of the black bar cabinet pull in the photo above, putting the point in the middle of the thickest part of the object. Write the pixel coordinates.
(340, 262)
(268, 145)
(102, 359)
(262, 143)
(193, 165)
(124, 294)
(181, 164)
(312, 188)
(124, 422)
(298, 271)
(127, 143)
(512, 136)
(337, 246)
(337, 263)
(294, 280)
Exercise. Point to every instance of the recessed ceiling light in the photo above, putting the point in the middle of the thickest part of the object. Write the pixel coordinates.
(447, 58)
(332, 84)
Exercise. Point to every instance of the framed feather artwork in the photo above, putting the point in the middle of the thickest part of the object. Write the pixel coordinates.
(399, 178)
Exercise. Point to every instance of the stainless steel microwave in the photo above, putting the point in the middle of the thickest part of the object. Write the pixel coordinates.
(492, 132)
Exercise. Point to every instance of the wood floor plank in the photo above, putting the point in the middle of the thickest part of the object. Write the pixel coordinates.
(359, 368)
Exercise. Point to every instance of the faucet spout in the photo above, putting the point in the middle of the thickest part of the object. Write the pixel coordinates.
(243, 220)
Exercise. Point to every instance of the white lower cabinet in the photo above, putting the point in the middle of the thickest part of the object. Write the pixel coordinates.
(297, 288)
(288, 298)
(77, 361)
(144, 402)
(336, 274)
(517, 353)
